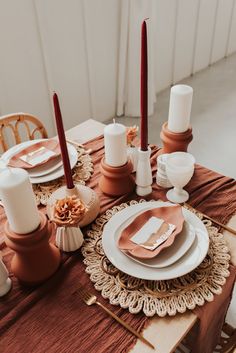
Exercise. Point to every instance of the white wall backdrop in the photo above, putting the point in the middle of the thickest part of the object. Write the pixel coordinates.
(89, 52)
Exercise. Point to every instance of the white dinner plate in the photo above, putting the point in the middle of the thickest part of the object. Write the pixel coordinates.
(54, 172)
(188, 262)
(46, 168)
(170, 255)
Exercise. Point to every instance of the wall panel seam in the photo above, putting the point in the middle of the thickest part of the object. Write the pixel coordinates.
(230, 28)
(195, 36)
(213, 33)
(88, 64)
(174, 41)
(47, 76)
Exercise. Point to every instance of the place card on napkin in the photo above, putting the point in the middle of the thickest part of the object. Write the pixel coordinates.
(38, 156)
(153, 233)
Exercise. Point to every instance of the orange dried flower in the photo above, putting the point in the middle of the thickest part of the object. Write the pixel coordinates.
(131, 133)
(68, 211)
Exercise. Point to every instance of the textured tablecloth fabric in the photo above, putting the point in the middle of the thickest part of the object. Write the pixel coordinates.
(50, 318)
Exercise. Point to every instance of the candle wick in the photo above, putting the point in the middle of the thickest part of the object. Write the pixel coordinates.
(114, 121)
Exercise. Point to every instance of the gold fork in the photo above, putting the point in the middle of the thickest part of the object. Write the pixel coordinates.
(91, 299)
(231, 230)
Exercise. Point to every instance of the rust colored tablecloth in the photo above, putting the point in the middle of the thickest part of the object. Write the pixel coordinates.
(50, 318)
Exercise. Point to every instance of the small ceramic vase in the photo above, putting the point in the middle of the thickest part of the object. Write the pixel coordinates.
(5, 281)
(69, 238)
(132, 153)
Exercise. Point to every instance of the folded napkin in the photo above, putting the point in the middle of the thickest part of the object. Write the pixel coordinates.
(173, 219)
(35, 155)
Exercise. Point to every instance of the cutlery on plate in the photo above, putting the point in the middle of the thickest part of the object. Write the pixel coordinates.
(231, 230)
(79, 145)
(91, 299)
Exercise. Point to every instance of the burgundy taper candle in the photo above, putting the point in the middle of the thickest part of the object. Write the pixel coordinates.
(62, 141)
(144, 89)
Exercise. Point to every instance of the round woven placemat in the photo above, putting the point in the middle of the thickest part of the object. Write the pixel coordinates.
(81, 173)
(156, 297)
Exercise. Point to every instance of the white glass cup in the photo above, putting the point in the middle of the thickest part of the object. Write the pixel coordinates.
(179, 170)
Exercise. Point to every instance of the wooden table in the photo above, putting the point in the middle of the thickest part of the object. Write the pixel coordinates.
(166, 333)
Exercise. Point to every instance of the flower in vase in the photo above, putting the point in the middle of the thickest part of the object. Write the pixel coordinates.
(68, 211)
(131, 133)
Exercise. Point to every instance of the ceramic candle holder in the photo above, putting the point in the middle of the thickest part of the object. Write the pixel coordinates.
(86, 194)
(132, 153)
(173, 141)
(116, 181)
(144, 173)
(35, 259)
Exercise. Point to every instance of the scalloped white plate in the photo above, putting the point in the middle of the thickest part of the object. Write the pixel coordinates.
(188, 262)
(49, 171)
(173, 253)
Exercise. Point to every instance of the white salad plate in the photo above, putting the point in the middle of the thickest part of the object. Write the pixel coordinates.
(46, 172)
(170, 255)
(185, 264)
(46, 168)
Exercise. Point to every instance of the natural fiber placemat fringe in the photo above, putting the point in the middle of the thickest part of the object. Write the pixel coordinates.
(156, 297)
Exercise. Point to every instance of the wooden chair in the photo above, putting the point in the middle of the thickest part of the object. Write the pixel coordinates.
(226, 344)
(18, 127)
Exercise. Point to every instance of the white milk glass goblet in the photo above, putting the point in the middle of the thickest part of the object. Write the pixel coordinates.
(179, 170)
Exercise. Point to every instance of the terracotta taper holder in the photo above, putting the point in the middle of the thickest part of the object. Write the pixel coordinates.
(86, 194)
(175, 141)
(35, 258)
(144, 173)
(116, 181)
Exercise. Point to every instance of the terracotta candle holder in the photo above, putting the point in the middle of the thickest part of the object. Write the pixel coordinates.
(116, 181)
(86, 194)
(35, 259)
(173, 141)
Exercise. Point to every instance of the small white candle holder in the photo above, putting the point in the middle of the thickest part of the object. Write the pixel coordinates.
(144, 173)
(5, 281)
(132, 153)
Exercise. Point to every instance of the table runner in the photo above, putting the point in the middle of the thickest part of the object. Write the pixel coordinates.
(49, 318)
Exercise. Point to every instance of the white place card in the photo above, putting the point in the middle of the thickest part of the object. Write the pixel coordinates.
(38, 156)
(153, 233)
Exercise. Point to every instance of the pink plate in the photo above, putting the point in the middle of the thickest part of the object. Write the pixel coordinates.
(171, 215)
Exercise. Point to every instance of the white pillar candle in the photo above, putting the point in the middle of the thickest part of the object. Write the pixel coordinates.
(18, 200)
(115, 145)
(180, 108)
